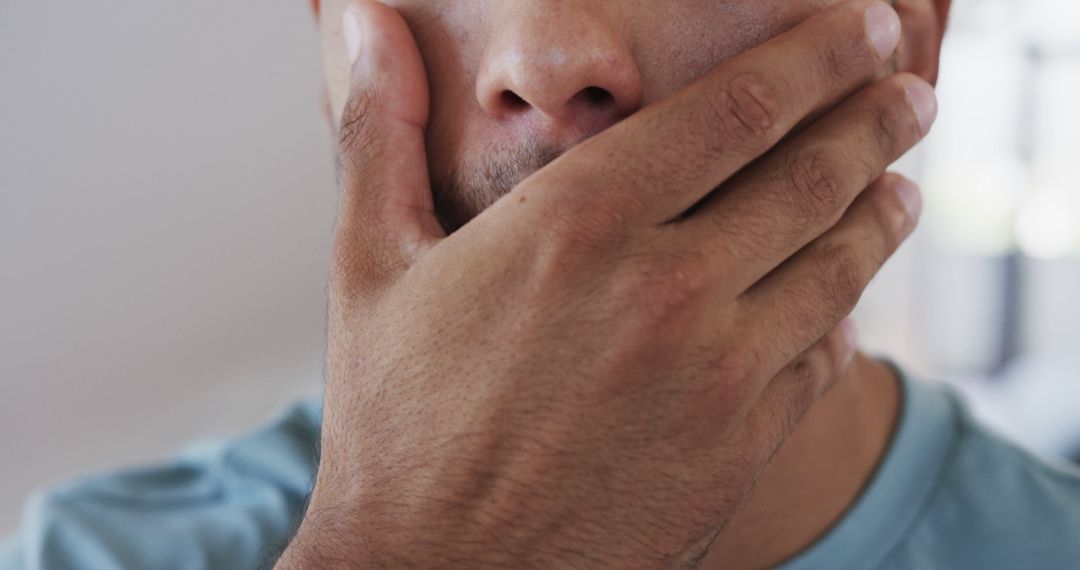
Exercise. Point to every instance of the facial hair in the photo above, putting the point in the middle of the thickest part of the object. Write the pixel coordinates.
(468, 189)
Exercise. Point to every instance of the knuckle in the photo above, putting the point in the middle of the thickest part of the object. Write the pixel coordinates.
(357, 131)
(839, 63)
(738, 368)
(587, 226)
(815, 176)
(730, 375)
(790, 397)
(555, 259)
(576, 239)
(884, 131)
(661, 289)
(842, 278)
(672, 283)
(808, 373)
(894, 125)
(747, 109)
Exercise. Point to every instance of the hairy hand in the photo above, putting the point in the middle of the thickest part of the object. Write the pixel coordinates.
(593, 371)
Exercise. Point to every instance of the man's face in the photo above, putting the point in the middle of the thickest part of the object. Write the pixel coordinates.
(515, 83)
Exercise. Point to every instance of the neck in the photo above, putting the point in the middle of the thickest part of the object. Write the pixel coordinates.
(818, 473)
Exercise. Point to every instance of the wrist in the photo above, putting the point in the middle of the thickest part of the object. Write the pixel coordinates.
(359, 534)
(328, 538)
(342, 528)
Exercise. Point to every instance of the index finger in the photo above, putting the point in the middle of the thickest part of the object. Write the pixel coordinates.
(658, 163)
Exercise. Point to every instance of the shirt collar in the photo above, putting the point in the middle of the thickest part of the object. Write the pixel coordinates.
(900, 489)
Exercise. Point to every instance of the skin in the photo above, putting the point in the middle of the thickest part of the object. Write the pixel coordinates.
(665, 339)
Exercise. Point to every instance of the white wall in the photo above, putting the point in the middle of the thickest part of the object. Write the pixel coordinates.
(166, 200)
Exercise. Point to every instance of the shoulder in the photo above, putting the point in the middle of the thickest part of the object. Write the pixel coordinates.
(230, 504)
(996, 505)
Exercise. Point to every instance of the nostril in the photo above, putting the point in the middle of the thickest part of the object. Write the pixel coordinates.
(512, 100)
(597, 96)
(590, 97)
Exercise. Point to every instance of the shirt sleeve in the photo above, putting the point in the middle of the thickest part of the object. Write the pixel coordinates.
(225, 505)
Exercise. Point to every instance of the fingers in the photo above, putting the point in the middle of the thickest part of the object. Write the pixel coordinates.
(806, 296)
(387, 215)
(778, 205)
(661, 161)
(791, 393)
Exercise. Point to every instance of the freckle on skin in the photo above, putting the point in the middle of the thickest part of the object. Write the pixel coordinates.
(521, 200)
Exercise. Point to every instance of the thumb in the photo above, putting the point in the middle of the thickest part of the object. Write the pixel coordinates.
(387, 215)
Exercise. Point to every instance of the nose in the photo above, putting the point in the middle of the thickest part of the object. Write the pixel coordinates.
(563, 61)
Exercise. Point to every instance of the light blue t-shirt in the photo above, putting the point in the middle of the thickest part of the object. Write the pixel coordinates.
(948, 494)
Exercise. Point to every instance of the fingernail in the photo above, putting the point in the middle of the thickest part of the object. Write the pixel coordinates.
(883, 28)
(912, 200)
(924, 101)
(350, 22)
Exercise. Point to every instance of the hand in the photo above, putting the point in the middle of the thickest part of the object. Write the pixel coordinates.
(592, 372)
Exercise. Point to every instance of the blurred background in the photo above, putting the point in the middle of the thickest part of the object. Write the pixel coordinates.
(167, 195)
